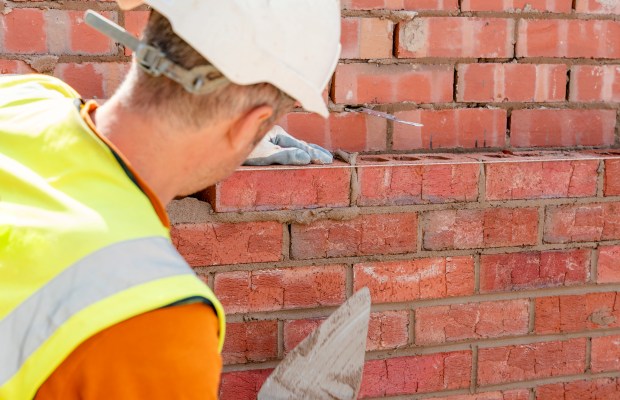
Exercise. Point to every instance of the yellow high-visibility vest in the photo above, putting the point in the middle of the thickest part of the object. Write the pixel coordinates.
(81, 246)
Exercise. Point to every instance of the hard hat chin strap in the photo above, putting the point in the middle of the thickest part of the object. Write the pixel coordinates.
(202, 79)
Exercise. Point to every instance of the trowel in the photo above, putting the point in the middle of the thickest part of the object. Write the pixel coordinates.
(327, 364)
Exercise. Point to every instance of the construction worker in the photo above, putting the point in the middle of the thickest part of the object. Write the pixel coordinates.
(95, 303)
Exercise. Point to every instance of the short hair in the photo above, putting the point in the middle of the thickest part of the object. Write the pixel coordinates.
(167, 97)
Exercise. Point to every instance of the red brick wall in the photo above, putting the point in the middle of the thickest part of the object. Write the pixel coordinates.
(493, 275)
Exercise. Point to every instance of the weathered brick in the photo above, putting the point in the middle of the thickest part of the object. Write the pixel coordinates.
(595, 83)
(543, 128)
(597, 7)
(441, 324)
(511, 82)
(439, 5)
(251, 189)
(14, 67)
(365, 38)
(596, 389)
(575, 38)
(24, 31)
(517, 394)
(470, 229)
(93, 80)
(558, 6)
(605, 353)
(430, 181)
(67, 33)
(460, 127)
(427, 278)
(419, 374)
(529, 179)
(612, 177)
(346, 131)
(531, 361)
(367, 234)
(582, 223)
(242, 385)
(469, 37)
(252, 341)
(280, 288)
(516, 271)
(386, 330)
(561, 314)
(377, 83)
(608, 268)
(222, 243)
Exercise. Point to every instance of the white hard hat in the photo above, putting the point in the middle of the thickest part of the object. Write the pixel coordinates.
(292, 44)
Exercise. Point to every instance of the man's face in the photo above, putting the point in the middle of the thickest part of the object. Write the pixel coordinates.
(221, 162)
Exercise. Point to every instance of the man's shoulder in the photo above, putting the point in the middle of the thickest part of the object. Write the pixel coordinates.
(20, 89)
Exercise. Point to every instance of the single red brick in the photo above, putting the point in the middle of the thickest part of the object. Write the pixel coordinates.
(511, 82)
(469, 229)
(395, 83)
(346, 131)
(531, 361)
(85, 39)
(596, 389)
(469, 37)
(518, 394)
(93, 80)
(605, 353)
(386, 330)
(222, 243)
(561, 314)
(428, 182)
(526, 179)
(597, 7)
(367, 234)
(251, 189)
(558, 6)
(14, 67)
(418, 374)
(575, 38)
(135, 22)
(366, 38)
(608, 264)
(441, 324)
(542, 128)
(281, 288)
(439, 5)
(24, 31)
(595, 83)
(515, 271)
(427, 278)
(460, 127)
(242, 385)
(582, 223)
(612, 177)
(252, 341)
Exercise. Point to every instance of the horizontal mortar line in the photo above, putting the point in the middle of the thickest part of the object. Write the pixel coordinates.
(511, 386)
(67, 5)
(321, 312)
(310, 215)
(379, 258)
(71, 58)
(447, 348)
(514, 15)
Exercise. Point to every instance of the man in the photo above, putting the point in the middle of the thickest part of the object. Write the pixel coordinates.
(94, 301)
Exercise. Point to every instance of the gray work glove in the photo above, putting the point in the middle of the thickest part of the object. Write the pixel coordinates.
(278, 147)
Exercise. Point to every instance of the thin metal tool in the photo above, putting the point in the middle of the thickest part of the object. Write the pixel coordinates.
(328, 364)
(381, 114)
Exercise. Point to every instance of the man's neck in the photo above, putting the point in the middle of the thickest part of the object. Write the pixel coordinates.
(138, 140)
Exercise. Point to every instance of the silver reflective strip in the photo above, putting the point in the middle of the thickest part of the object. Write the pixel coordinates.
(91, 279)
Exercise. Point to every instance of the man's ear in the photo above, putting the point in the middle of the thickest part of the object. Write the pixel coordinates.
(242, 134)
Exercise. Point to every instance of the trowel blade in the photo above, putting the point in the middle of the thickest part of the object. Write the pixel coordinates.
(327, 364)
(382, 114)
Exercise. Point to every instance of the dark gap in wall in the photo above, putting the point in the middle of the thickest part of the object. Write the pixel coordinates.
(455, 83)
(568, 78)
